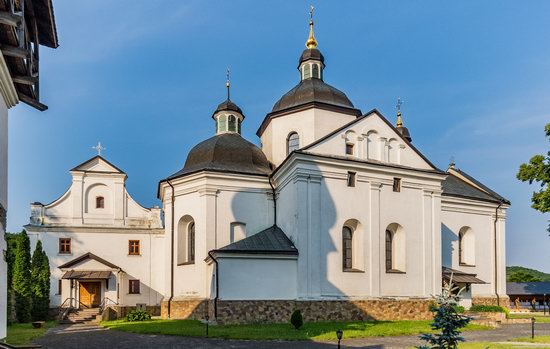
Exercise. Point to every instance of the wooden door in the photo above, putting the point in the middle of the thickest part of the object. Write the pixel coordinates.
(90, 293)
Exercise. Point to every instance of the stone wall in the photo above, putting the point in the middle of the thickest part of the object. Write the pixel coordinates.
(277, 311)
(503, 300)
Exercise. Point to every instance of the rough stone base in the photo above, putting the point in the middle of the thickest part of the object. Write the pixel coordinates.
(503, 300)
(277, 311)
(115, 312)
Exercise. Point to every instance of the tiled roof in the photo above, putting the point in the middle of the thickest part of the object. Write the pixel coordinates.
(455, 186)
(527, 288)
(269, 241)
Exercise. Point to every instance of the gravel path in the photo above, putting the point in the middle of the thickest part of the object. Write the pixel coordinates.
(92, 337)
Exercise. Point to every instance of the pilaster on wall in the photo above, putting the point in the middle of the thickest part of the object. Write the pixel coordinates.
(375, 259)
(210, 205)
(77, 194)
(120, 201)
(309, 240)
(431, 242)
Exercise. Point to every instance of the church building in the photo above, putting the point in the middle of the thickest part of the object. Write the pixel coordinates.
(337, 214)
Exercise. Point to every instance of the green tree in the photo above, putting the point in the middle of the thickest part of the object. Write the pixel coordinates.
(21, 279)
(446, 320)
(11, 240)
(521, 276)
(538, 170)
(40, 277)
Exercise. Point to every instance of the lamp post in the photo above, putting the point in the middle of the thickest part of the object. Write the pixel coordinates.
(532, 327)
(339, 335)
(544, 305)
(207, 318)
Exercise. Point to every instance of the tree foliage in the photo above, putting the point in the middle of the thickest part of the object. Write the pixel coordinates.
(521, 276)
(40, 277)
(538, 170)
(446, 321)
(21, 278)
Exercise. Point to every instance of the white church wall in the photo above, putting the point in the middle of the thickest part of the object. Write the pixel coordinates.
(310, 124)
(214, 202)
(314, 202)
(257, 279)
(113, 247)
(372, 139)
(479, 218)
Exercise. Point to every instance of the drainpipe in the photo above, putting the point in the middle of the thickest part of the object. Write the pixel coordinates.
(217, 285)
(274, 201)
(171, 252)
(496, 252)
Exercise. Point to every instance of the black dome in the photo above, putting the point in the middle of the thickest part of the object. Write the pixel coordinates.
(226, 152)
(228, 105)
(312, 90)
(311, 53)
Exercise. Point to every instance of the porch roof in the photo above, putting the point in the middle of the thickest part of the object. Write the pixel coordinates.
(89, 274)
(460, 277)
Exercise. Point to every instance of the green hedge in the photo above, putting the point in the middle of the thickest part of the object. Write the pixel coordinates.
(459, 309)
(488, 309)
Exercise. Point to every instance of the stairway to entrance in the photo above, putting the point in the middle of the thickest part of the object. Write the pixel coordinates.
(81, 316)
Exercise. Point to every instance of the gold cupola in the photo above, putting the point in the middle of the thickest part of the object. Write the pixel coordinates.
(311, 42)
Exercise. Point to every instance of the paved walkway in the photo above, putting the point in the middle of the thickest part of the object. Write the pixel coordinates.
(93, 337)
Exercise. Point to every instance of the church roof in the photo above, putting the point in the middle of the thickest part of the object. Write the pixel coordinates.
(457, 276)
(269, 241)
(527, 288)
(311, 53)
(455, 186)
(312, 90)
(96, 159)
(86, 256)
(228, 105)
(226, 152)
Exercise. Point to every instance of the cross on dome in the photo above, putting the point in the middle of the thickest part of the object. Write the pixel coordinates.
(99, 148)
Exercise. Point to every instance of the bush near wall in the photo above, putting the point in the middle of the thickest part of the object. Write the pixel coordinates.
(488, 309)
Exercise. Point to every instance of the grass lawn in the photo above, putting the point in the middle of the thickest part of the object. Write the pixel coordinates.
(19, 334)
(318, 331)
(537, 339)
(491, 345)
(538, 318)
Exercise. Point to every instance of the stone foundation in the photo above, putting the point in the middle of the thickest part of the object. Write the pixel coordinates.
(503, 300)
(277, 311)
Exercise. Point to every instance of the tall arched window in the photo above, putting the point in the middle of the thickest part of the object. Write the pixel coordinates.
(307, 71)
(99, 202)
(232, 123)
(186, 241)
(389, 250)
(466, 247)
(191, 243)
(292, 143)
(395, 249)
(347, 248)
(316, 71)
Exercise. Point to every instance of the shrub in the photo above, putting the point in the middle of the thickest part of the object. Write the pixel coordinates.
(487, 309)
(296, 319)
(459, 309)
(138, 315)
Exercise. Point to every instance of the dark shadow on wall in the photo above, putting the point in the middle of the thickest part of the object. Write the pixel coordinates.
(448, 239)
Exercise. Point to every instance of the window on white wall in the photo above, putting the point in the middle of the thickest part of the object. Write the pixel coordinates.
(395, 249)
(466, 247)
(237, 231)
(186, 241)
(352, 246)
(292, 143)
(347, 248)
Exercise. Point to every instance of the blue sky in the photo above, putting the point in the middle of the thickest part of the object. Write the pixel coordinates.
(143, 78)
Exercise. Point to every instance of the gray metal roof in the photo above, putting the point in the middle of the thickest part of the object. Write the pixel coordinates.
(269, 241)
(226, 152)
(487, 189)
(311, 53)
(455, 186)
(460, 277)
(228, 105)
(527, 288)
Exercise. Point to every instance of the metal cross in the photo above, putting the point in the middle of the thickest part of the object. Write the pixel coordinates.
(228, 82)
(99, 148)
(311, 8)
(399, 103)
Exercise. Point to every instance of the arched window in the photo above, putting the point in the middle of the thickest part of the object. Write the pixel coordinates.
(307, 71)
(222, 123)
(466, 247)
(389, 250)
(232, 123)
(372, 142)
(186, 241)
(99, 202)
(292, 143)
(191, 243)
(395, 249)
(237, 232)
(316, 71)
(239, 126)
(347, 248)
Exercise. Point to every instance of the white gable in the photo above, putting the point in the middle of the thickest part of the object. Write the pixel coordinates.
(90, 264)
(371, 138)
(97, 164)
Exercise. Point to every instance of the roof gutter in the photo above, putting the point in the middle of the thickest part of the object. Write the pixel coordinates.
(496, 252)
(173, 198)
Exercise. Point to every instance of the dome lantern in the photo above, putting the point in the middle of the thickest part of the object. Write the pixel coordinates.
(228, 115)
(311, 61)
